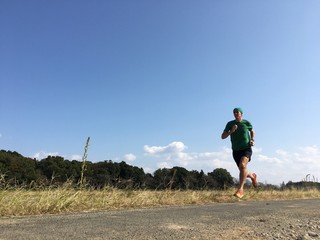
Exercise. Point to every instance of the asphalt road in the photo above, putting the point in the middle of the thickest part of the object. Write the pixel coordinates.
(216, 221)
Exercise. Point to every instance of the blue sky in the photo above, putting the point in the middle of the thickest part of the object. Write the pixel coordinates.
(153, 83)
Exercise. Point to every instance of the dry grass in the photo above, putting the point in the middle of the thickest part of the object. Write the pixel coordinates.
(65, 199)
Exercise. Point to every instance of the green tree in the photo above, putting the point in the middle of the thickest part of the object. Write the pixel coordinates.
(222, 178)
(162, 178)
(100, 174)
(180, 178)
(16, 168)
(54, 169)
(201, 180)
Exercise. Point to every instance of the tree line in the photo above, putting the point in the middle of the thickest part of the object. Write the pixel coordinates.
(17, 170)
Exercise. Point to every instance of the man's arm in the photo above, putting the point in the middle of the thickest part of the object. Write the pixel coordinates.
(252, 134)
(224, 135)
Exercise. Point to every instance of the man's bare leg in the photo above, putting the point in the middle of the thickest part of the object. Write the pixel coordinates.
(244, 174)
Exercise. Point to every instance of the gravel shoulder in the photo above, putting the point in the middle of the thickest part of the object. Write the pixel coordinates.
(289, 219)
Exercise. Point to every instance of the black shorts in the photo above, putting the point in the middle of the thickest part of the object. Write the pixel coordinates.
(237, 155)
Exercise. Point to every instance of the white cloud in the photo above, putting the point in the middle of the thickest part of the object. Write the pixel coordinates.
(41, 155)
(174, 154)
(153, 150)
(282, 153)
(164, 165)
(148, 170)
(309, 155)
(173, 147)
(76, 157)
(256, 150)
(129, 157)
(275, 168)
(273, 160)
(311, 150)
(289, 166)
(305, 155)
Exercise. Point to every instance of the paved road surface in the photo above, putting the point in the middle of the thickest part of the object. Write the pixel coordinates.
(244, 220)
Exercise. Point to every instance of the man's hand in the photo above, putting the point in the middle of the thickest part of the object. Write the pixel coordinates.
(234, 128)
(227, 134)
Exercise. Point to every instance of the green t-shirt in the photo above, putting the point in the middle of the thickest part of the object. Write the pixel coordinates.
(240, 139)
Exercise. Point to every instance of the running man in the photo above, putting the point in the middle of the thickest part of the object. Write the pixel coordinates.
(242, 139)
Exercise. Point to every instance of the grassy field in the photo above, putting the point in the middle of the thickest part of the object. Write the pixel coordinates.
(18, 202)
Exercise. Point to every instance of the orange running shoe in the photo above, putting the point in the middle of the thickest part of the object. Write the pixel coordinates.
(254, 180)
(239, 194)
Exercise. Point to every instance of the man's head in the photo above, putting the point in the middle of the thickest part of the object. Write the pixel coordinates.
(238, 109)
(237, 112)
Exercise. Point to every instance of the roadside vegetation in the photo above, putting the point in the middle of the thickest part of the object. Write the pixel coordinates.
(54, 185)
(67, 199)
